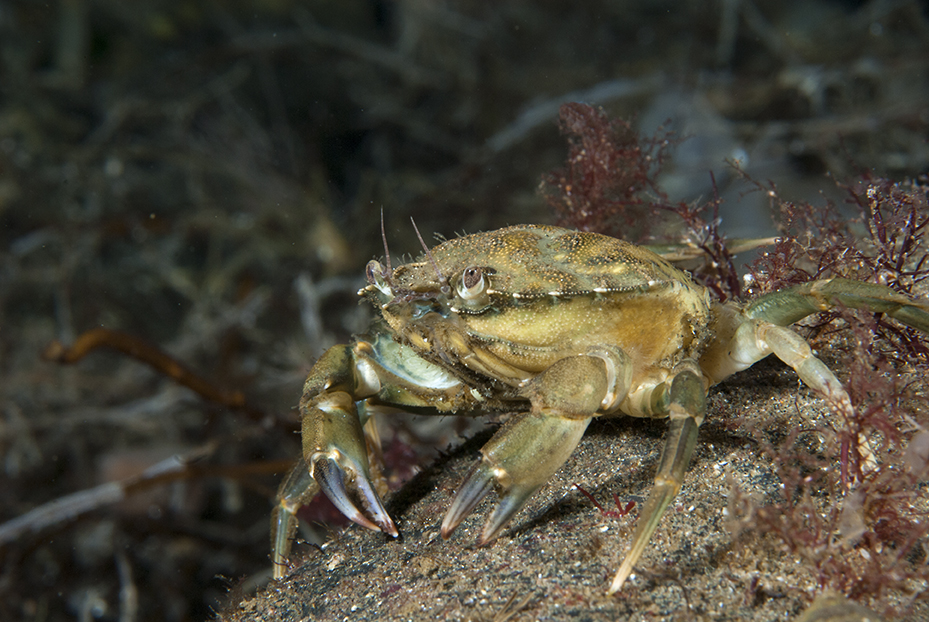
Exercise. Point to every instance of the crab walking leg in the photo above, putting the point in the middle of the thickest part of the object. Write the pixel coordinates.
(756, 339)
(297, 489)
(518, 463)
(793, 350)
(790, 305)
(686, 410)
(527, 451)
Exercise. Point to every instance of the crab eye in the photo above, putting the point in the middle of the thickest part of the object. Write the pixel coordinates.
(376, 274)
(472, 283)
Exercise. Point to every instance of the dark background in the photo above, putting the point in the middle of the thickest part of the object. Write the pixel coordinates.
(210, 176)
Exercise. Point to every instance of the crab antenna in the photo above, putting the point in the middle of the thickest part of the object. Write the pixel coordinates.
(386, 251)
(446, 289)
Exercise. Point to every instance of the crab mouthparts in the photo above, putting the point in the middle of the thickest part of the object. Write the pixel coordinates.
(406, 296)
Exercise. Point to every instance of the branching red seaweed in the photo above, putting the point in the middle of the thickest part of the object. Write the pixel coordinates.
(609, 172)
(855, 511)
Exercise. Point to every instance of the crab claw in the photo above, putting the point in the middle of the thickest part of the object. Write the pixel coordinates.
(350, 487)
(517, 462)
(530, 447)
(335, 451)
(509, 505)
(477, 484)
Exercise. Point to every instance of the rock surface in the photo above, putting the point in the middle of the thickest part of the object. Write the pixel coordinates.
(557, 557)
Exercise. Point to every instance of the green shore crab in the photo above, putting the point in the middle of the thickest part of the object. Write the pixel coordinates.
(559, 327)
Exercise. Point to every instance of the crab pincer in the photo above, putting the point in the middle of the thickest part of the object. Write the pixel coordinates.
(558, 327)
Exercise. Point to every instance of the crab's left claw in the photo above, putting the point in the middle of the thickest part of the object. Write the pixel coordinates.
(529, 448)
(518, 460)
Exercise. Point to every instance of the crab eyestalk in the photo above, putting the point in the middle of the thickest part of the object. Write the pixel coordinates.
(379, 278)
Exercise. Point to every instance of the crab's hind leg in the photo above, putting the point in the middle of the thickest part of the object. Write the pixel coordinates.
(761, 329)
(747, 336)
(527, 451)
(686, 408)
(790, 305)
(768, 316)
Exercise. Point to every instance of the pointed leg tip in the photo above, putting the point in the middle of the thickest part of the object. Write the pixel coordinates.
(279, 566)
(490, 533)
(622, 575)
(477, 484)
(617, 584)
(510, 503)
(451, 521)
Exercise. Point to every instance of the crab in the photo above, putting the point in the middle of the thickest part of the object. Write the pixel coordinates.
(558, 327)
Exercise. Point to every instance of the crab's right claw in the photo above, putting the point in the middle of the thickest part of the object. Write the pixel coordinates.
(350, 487)
(334, 448)
(299, 487)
